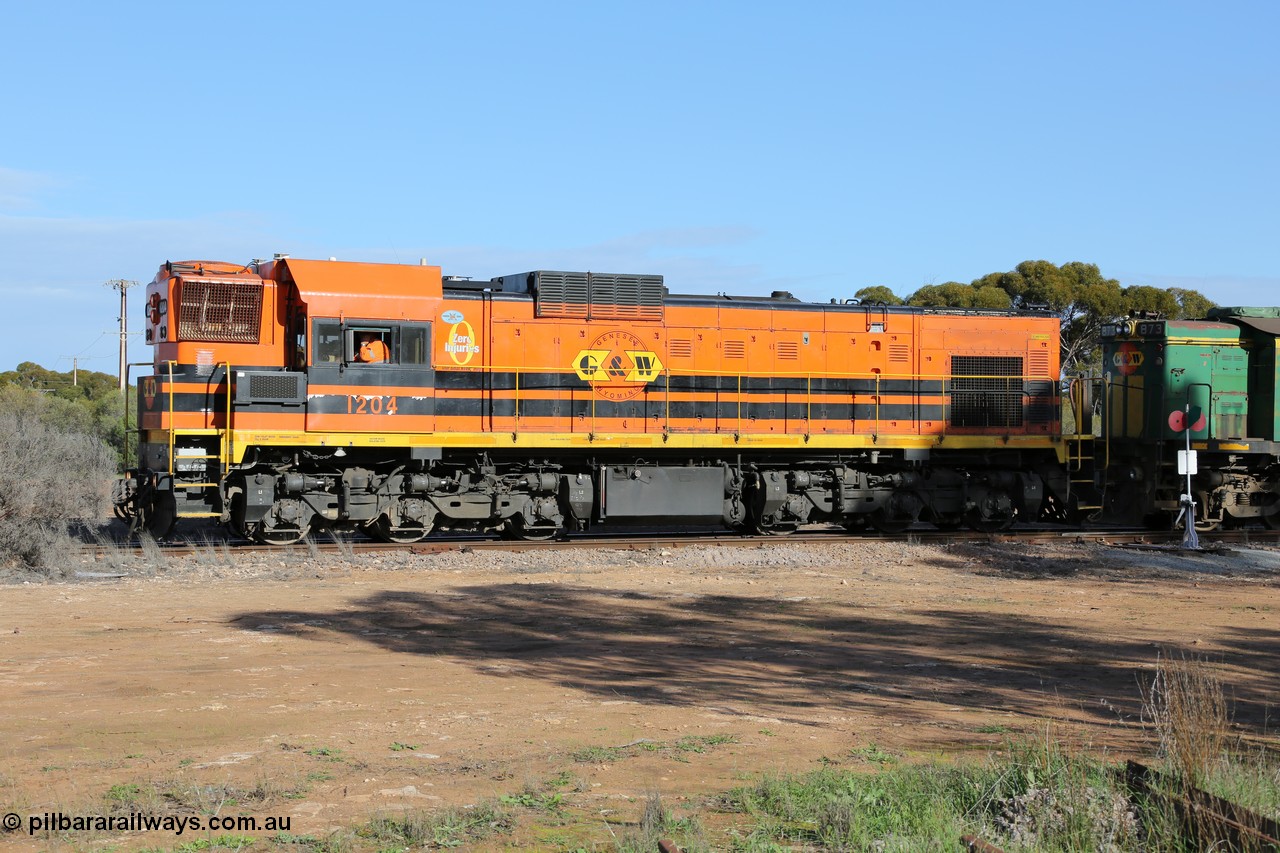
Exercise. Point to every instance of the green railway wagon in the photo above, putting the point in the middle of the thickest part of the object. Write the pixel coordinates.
(1216, 377)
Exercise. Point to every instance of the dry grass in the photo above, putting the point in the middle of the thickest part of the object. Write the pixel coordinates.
(51, 477)
(1186, 709)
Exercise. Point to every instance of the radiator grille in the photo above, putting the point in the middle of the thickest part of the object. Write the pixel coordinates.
(273, 385)
(986, 391)
(226, 311)
(562, 294)
(599, 296)
(626, 297)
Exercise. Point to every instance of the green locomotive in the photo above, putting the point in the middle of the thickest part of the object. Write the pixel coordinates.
(1216, 377)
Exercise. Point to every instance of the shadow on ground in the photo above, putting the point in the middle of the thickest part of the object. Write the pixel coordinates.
(761, 656)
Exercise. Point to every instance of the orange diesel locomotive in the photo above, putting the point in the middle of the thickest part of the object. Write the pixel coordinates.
(291, 394)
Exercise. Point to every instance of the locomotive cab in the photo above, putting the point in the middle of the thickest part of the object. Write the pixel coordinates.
(280, 354)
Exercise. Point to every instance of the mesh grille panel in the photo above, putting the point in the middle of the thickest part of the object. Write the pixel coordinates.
(213, 310)
(986, 391)
(273, 385)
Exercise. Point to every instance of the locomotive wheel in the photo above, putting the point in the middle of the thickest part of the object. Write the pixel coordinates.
(995, 512)
(123, 504)
(160, 518)
(236, 521)
(988, 523)
(516, 528)
(948, 521)
(278, 535)
(889, 524)
(1272, 520)
(381, 530)
(266, 534)
(774, 529)
(855, 523)
(898, 513)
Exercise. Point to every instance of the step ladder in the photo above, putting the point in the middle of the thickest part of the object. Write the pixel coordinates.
(1081, 466)
(1081, 458)
(223, 455)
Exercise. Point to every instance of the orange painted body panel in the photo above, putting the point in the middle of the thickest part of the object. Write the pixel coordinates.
(737, 343)
(619, 377)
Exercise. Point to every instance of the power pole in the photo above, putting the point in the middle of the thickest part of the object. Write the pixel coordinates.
(123, 286)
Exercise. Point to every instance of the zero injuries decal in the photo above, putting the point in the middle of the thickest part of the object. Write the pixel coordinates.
(460, 343)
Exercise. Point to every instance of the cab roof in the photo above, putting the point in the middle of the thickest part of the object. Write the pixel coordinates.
(342, 288)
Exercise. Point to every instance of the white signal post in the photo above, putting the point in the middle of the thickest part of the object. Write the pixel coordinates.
(1187, 465)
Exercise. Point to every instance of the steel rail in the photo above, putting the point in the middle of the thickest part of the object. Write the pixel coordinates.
(1213, 822)
(631, 540)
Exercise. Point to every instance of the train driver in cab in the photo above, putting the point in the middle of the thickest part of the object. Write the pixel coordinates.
(372, 349)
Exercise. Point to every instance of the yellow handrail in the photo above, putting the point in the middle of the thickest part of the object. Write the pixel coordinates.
(172, 430)
(876, 431)
(224, 464)
(1106, 423)
(666, 427)
(808, 411)
(739, 403)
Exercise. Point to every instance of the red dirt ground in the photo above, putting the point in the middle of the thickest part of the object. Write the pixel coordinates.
(330, 690)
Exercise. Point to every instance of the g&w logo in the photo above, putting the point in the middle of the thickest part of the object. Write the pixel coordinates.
(1127, 359)
(617, 365)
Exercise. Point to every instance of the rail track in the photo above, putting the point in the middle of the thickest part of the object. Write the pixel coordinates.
(632, 540)
(1207, 821)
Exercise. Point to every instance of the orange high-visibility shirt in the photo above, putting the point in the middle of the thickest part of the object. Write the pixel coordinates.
(372, 351)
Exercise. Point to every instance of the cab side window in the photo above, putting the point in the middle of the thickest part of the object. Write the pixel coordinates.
(326, 342)
(415, 346)
(370, 344)
(363, 343)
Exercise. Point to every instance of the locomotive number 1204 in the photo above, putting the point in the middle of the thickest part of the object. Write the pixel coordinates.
(359, 404)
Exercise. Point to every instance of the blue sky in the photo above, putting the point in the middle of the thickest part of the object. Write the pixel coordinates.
(739, 147)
